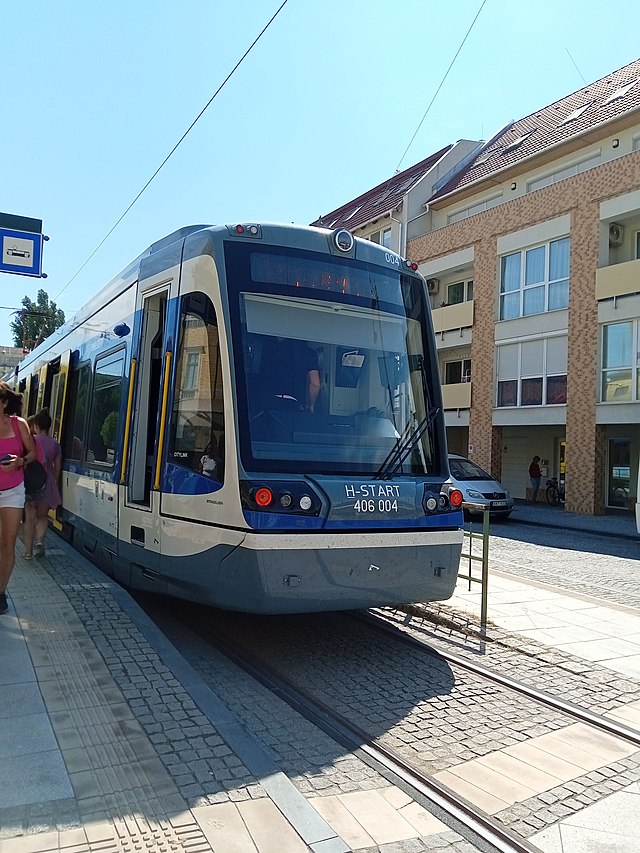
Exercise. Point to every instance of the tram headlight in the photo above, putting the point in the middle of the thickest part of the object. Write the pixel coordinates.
(263, 496)
(343, 240)
(455, 498)
(287, 497)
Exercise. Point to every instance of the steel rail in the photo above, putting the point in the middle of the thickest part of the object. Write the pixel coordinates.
(605, 724)
(485, 827)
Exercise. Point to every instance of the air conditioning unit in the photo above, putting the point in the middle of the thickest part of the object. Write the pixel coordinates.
(433, 285)
(616, 234)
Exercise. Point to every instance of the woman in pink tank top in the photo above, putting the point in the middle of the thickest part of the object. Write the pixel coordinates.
(16, 449)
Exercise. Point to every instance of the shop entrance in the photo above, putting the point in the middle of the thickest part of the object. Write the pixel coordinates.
(619, 473)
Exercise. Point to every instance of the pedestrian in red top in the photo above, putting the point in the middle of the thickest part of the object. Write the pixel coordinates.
(536, 475)
(16, 450)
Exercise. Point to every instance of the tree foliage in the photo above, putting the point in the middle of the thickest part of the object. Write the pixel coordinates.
(35, 321)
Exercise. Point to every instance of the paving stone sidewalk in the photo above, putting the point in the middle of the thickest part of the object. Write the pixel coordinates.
(106, 748)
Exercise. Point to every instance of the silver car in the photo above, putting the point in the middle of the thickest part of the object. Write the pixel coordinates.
(478, 488)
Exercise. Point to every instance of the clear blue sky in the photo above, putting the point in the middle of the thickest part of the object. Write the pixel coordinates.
(94, 96)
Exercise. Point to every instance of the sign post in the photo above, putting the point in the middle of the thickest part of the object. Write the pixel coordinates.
(21, 242)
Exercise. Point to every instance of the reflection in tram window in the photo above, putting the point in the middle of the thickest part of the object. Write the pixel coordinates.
(198, 408)
(106, 405)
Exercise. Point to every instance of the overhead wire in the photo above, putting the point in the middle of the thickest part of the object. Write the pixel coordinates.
(441, 84)
(435, 95)
(178, 143)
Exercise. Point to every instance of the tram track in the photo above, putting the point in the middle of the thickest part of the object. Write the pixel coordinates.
(334, 677)
(575, 712)
(460, 811)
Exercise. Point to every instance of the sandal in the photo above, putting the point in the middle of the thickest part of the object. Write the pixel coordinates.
(27, 556)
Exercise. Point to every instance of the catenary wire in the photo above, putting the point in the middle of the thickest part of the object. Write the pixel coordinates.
(178, 143)
(441, 84)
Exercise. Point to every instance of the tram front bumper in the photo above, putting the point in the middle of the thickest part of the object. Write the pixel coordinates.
(294, 573)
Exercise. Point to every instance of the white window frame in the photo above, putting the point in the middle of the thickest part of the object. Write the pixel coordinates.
(569, 171)
(478, 207)
(465, 373)
(467, 286)
(519, 378)
(632, 367)
(524, 288)
(382, 237)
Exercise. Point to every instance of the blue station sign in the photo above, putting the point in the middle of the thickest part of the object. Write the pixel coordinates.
(20, 252)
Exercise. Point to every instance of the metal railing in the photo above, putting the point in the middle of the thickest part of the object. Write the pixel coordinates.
(470, 537)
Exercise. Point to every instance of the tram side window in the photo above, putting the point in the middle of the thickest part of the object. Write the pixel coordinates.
(106, 406)
(197, 424)
(76, 421)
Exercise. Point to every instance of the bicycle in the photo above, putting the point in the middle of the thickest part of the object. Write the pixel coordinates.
(555, 492)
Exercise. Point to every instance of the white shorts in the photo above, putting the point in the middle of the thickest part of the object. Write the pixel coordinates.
(13, 497)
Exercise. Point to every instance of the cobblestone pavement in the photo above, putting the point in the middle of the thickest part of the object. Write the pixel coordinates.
(586, 563)
(584, 683)
(313, 761)
(420, 708)
(194, 760)
(423, 711)
(203, 767)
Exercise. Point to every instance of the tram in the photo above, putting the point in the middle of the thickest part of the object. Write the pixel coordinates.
(251, 418)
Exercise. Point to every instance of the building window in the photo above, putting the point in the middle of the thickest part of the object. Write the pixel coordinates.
(191, 370)
(556, 390)
(480, 207)
(531, 392)
(532, 373)
(457, 371)
(566, 172)
(461, 291)
(508, 393)
(535, 280)
(382, 237)
(619, 362)
(637, 245)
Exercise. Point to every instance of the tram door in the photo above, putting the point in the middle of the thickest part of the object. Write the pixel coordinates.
(58, 372)
(140, 502)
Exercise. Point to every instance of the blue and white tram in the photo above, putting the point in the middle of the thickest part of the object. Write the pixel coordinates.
(251, 417)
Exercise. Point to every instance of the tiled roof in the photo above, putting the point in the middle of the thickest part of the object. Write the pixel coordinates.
(381, 199)
(599, 103)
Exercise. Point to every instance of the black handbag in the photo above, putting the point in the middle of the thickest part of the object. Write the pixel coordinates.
(35, 474)
(35, 479)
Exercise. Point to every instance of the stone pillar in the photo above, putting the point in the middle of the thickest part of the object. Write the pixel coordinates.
(482, 352)
(496, 452)
(582, 368)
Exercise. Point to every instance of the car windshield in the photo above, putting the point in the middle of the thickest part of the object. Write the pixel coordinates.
(334, 384)
(465, 469)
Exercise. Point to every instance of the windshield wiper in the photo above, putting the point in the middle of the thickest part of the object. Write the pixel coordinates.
(404, 445)
(410, 438)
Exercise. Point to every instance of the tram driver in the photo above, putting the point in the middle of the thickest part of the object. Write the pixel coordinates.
(289, 374)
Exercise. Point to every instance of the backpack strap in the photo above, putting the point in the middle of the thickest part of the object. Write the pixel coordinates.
(16, 431)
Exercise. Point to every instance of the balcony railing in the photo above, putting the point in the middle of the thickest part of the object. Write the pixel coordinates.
(457, 396)
(618, 280)
(451, 317)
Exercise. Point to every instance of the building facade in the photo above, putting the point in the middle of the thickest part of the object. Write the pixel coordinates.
(10, 357)
(531, 251)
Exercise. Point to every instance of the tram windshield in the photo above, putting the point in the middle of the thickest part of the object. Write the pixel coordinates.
(333, 379)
